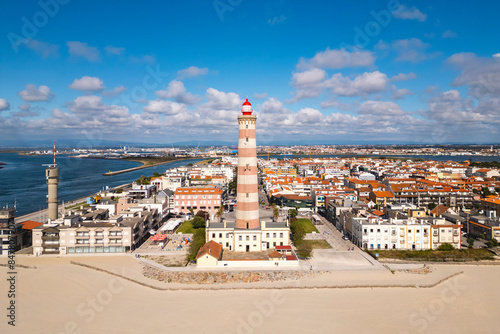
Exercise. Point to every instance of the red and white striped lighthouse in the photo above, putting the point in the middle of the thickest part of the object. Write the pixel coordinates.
(247, 207)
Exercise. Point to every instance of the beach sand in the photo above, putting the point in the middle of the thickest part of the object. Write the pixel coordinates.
(58, 297)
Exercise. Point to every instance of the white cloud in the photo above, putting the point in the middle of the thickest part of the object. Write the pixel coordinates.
(92, 105)
(165, 107)
(34, 94)
(222, 100)
(308, 84)
(413, 50)
(25, 111)
(336, 104)
(405, 13)
(449, 34)
(258, 96)
(480, 74)
(496, 55)
(88, 84)
(397, 94)
(386, 108)
(191, 71)
(309, 116)
(4, 105)
(113, 50)
(79, 49)
(337, 58)
(404, 77)
(43, 48)
(366, 83)
(272, 106)
(177, 92)
(114, 92)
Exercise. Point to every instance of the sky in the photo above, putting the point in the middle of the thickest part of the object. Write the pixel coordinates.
(332, 72)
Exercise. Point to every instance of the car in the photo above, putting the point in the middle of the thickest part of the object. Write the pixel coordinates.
(345, 238)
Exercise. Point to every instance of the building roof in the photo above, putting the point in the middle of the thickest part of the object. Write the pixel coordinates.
(383, 194)
(274, 255)
(439, 210)
(211, 248)
(30, 225)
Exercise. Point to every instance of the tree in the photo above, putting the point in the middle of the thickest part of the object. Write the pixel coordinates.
(202, 214)
(196, 243)
(198, 222)
(446, 247)
(492, 243)
(119, 191)
(293, 213)
(470, 243)
(220, 212)
(431, 206)
(143, 180)
(233, 185)
(276, 212)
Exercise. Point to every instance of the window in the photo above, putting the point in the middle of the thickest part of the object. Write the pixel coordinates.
(267, 235)
(378, 230)
(220, 235)
(227, 244)
(371, 230)
(248, 237)
(213, 235)
(247, 195)
(227, 235)
(239, 238)
(254, 237)
(246, 139)
(418, 231)
(274, 235)
(246, 126)
(281, 235)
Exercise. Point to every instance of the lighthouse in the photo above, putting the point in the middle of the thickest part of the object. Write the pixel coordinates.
(247, 207)
(247, 233)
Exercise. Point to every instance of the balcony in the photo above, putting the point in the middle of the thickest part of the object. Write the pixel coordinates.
(50, 244)
(50, 237)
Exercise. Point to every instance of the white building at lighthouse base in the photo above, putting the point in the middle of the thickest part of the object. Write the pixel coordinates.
(267, 237)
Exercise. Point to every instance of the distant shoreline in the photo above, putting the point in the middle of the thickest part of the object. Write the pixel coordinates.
(144, 161)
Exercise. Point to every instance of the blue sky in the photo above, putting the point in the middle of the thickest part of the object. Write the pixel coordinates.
(169, 71)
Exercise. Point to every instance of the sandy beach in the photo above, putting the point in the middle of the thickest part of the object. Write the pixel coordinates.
(58, 297)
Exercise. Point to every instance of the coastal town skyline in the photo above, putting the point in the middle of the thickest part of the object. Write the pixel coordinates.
(386, 72)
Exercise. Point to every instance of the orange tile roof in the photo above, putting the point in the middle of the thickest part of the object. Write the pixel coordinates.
(212, 248)
(30, 225)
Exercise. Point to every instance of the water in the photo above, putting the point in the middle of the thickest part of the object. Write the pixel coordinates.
(456, 158)
(22, 179)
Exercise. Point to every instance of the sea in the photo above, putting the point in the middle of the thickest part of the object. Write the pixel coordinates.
(23, 183)
(22, 178)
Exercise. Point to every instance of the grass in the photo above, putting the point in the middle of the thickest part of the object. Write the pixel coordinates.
(318, 244)
(307, 226)
(458, 255)
(196, 243)
(77, 206)
(186, 228)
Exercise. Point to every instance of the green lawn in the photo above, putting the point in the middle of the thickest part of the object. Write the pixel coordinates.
(186, 228)
(307, 226)
(317, 244)
(458, 255)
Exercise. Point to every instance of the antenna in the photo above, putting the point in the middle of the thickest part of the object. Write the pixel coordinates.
(54, 151)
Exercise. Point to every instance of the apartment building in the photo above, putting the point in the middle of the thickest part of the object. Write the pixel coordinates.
(207, 198)
(84, 234)
(404, 234)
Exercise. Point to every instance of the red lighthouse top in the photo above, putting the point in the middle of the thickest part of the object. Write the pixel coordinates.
(247, 108)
